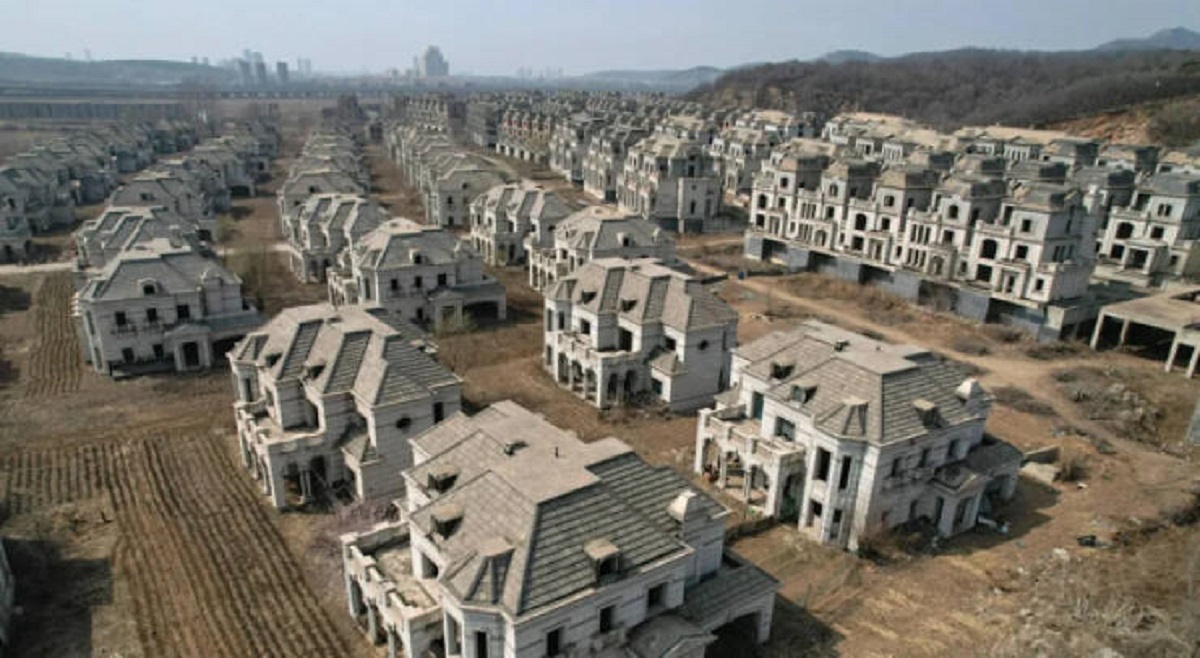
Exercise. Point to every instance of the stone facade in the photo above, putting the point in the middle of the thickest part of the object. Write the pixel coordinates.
(328, 398)
(502, 218)
(160, 305)
(594, 232)
(420, 273)
(602, 555)
(618, 330)
(849, 436)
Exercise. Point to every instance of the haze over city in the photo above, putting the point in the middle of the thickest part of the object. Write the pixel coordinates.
(492, 38)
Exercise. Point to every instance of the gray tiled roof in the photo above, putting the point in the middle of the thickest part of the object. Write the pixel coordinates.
(348, 350)
(731, 587)
(862, 388)
(175, 269)
(644, 291)
(399, 242)
(520, 542)
(603, 227)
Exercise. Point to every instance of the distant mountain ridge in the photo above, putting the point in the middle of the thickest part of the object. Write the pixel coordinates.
(677, 79)
(26, 69)
(966, 87)
(1175, 38)
(839, 56)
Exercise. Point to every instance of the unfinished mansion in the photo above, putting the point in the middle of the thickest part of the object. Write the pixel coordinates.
(601, 554)
(995, 224)
(850, 436)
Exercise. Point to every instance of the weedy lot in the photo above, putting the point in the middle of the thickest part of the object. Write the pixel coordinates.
(135, 531)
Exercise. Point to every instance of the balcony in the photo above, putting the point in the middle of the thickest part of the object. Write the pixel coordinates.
(744, 436)
(580, 348)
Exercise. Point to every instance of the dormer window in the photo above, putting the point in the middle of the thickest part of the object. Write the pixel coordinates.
(628, 305)
(605, 557)
(441, 479)
(586, 296)
(781, 370)
(446, 519)
(928, 412)
(802, 393)
(272, 359)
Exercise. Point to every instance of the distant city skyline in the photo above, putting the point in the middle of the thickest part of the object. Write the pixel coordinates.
(576, 37)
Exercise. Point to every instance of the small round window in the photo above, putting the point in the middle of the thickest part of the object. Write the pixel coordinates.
(703, 345)
(404, 423)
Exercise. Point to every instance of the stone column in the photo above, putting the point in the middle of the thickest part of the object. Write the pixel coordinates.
(774, 493)
(277, 489)
(701, 422)
(1097, 331)
(353, 596)
(723, 471)
(305, 485)
(392, 642)
(372, 624)
(245, 450)
(1124, 332)
(1191, 372)
(1171, 355)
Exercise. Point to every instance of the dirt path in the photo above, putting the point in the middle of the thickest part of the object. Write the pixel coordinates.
(997, 370)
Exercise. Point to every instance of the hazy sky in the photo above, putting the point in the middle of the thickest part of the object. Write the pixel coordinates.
(576, 35)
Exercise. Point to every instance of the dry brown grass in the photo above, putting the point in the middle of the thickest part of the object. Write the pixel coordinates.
(1137, 600)
(1020, 400)
(878, 306)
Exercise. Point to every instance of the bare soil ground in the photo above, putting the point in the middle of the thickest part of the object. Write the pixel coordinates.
(388, 186)
(962, 599)
(126, 500)
(130, 528)
(130, 525)
(966, 598)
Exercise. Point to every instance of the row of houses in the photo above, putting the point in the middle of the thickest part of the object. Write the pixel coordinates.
(668, 161)
(600, 553)
(151, 294)
(1010, 227)
(448, 176)
(322, 202)
(622, 327)
(40, 188)
(366, 256)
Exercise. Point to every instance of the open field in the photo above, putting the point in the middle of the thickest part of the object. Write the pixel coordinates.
(130, 526)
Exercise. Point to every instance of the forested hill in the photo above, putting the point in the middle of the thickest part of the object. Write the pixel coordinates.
(961, 87)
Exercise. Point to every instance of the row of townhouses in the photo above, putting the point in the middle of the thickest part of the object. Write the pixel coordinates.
(40, 188)
(151, 294)
(1005, 225)
(448, 176)
(339, 236)
(330, 162)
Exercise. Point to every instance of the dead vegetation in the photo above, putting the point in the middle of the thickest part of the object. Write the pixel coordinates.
(1138, 598)
(1055, 350)
(878, 306)
(1020, 400)
(728, 258)
(1114, 397)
